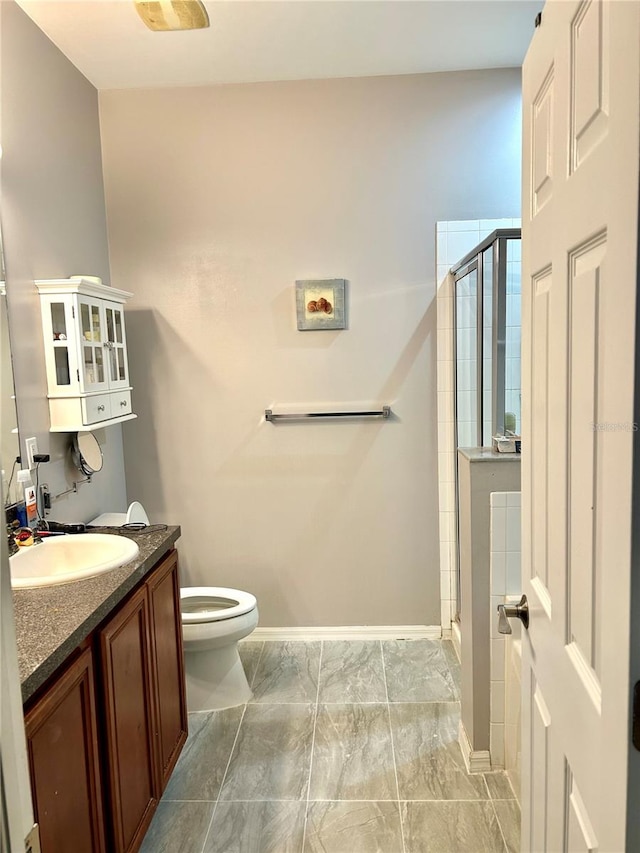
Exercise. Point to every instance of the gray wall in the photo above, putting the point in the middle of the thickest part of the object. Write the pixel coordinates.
(54, 225)
(218, 199)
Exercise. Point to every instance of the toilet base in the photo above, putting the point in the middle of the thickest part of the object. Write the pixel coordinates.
(215, 679)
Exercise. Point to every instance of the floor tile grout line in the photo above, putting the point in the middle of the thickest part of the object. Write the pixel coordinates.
(313, 745)
(502, 835)
(393, 749)
(493, 808)
(226, 770)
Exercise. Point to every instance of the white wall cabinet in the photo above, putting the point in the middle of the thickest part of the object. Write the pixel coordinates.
(85, 348)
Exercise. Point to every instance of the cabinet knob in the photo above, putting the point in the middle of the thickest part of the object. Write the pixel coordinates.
(101, 408)
(123, 403)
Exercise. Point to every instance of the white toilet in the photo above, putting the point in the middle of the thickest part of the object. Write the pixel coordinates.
(213, 620)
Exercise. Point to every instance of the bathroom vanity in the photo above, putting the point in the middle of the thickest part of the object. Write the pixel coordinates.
(102, 675)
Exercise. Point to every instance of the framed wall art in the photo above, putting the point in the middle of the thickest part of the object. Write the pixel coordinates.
(321, 304)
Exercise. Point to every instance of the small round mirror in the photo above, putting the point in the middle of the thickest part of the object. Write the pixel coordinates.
(86, 452)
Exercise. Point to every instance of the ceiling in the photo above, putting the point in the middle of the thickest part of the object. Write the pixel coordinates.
(258, 40)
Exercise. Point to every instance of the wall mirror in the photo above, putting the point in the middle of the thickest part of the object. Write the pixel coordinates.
(86, 453)
(9, 440)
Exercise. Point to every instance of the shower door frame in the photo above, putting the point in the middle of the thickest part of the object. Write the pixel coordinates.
(474, 260)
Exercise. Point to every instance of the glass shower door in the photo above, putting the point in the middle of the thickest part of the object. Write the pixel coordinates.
(466, 321)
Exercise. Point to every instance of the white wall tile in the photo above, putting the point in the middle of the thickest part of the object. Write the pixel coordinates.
(499, 528)
(445, 409)
(445, 556)
(514, 311)
(447, 526)
(513, 528)
(513, 498)
(445, 614)
(445, 380)
(445, 344)
(496, 742)
(459, 243)
(443, 431)
(445, 289)
(513, 582)
(441, 273)
(441, 244)
(493, 616)
(446, 470)
(498, 573)
(445, 584)
(463, 225)
(497, 712)
(444, 307)
(512, 373)
(498, 499)
(465, 374)
(447, 496)
(497, 658)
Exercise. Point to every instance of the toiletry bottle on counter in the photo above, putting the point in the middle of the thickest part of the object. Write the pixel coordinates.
(30, 500)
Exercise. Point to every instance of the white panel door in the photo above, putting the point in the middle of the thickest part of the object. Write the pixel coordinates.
(580, 225)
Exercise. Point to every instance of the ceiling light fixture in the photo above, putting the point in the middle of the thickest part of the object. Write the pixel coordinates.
(163, 15)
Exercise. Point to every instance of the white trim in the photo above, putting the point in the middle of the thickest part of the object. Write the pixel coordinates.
(85, 286)
(456, 638)
(476, 761)
(350, 632)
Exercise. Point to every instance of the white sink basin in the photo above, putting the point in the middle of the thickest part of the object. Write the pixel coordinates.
(63, 559)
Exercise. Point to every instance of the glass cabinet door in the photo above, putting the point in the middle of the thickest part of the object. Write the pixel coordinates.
(116, 345)
(93, 375)
(60, 343)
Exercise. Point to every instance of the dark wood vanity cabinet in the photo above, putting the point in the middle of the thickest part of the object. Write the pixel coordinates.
(167, 664)
(62, 741)
(137, 712)
(142, 679)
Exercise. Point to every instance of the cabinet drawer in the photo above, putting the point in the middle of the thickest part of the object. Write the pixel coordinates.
(96, 408)
(120, 403)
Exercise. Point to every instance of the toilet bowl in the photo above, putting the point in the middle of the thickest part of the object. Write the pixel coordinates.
(213, 620)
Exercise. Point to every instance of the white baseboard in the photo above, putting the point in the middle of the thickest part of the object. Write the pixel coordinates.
(350, 632)
(476, 760)
(456, 638)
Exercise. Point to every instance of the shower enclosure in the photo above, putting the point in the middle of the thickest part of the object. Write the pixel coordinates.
(487, 326)
(487, 339)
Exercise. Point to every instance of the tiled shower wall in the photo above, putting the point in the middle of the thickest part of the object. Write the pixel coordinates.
(505, 585)
(454, 240)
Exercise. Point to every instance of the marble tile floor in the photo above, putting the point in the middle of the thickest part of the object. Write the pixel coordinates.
(346, 747)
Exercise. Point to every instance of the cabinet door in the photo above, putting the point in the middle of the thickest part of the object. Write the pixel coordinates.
(116, 343)
(58, 325)
(62, 744)
(129, 700)
(166, 645)
(92, 344)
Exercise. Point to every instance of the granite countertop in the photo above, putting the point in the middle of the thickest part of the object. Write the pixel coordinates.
(486, 454)
(51, 621)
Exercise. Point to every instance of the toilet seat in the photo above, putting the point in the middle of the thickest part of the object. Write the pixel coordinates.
(200, 604)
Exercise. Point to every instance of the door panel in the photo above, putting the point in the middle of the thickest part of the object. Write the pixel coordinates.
(129, 702)
(580, 219)
(62, 744)
(166, 635)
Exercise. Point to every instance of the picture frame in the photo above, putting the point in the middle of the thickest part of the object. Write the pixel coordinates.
(321, 304)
